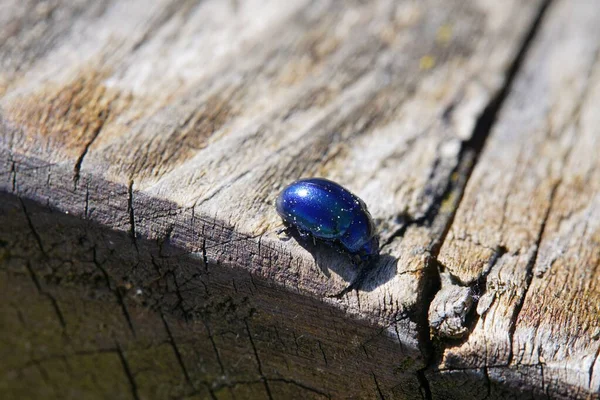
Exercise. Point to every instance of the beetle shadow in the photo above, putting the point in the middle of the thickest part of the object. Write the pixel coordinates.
(331, 257)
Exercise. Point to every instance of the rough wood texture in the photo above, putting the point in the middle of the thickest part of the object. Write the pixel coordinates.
(525, 238)
(143, 146)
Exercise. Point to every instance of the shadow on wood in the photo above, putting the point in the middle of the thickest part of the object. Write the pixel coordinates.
(331, 257)
(225, 330)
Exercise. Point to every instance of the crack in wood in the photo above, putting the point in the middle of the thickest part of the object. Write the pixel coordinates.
(476, 289)
(180, 300)
(132, 232)
(470, 151)
(13, 172)
(424, 385)
(379, 392)
(39, 361)
(322, 351)
(258, 363)
(592, 366)
(531, 264)
(488, 382)
(128, 373)
(32, 274)
(300, 385)
(233, 384)
(102, 117)
(34, 232)
(214, 345)
(177, 352)
(116, 291)
(529, 275)
(86, 212)
(50, 297)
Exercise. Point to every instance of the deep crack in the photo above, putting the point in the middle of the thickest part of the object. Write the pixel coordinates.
(379, 392)
(132, 232)
(467, 160)
(77, 167)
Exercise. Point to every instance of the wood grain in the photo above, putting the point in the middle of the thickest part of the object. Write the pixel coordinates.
(165, 131)
(87, 312)
(353, 111)
(524, 241)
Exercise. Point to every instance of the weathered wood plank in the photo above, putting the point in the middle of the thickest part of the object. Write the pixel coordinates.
(524, 241)
(171, 127)
(355, 114)
(73, 290)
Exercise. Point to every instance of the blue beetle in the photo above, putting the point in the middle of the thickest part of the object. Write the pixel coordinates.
(331, 213)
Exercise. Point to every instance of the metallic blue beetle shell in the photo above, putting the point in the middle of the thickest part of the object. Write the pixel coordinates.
(329, 212)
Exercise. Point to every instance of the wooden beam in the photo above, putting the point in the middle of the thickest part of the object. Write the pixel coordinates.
(524, 241)
(143, 147)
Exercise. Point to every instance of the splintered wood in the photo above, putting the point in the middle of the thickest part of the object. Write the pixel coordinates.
(526, 236)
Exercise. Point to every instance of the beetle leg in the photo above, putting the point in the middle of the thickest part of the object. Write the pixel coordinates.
(284, 234)
(303, 234)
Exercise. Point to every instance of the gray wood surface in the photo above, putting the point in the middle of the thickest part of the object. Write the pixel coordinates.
(143, 146)
(525, 236)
